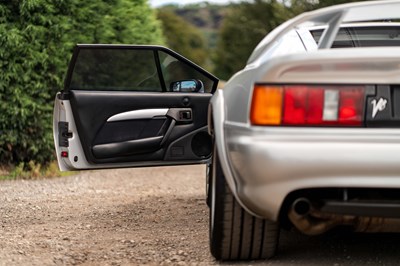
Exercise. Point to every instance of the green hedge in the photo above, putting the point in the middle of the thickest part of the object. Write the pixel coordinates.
(36, 41)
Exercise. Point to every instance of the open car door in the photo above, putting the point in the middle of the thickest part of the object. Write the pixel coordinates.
(126, 106)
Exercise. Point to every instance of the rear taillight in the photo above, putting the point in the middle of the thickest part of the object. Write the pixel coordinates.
(295, 105)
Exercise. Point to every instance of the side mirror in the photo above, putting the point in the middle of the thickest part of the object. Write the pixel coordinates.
(191, 85)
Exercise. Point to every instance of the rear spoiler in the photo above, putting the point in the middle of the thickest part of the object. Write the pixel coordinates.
(332, 17)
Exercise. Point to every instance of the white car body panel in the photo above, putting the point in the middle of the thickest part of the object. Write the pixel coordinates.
(270, 163)
(63, 112)
(266, 164)
(350, 66)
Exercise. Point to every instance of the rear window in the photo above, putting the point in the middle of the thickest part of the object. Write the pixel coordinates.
(375, 36)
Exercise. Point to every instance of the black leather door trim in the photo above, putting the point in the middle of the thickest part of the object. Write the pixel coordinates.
(125, 148)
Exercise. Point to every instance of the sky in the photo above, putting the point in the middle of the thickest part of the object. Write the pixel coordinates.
(157, 3)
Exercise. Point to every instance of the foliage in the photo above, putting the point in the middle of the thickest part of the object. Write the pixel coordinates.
(206, 16)
(29, 31)
(32, 170)
(36, 40)
(300, 6)
(326, 3)
(243, 28)
(183, 37)
(112, 21)
(193, 19)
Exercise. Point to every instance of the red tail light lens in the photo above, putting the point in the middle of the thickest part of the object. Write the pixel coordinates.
(295, 105)
(351, 106)
(308, 105)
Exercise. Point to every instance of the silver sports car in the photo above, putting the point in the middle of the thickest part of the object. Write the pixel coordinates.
(306, 136)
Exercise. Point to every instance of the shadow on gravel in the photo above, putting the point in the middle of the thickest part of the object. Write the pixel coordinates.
(334, 248)
(340, 248)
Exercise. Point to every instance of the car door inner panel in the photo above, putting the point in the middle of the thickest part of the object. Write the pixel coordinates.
(137, 103)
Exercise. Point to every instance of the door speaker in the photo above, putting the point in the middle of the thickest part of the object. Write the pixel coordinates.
(202, 144)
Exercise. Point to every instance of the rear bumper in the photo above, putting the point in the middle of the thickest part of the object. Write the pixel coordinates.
(270, 163)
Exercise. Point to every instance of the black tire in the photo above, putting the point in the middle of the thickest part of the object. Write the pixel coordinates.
(234, 233)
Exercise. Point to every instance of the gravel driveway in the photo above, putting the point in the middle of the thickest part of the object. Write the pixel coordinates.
(144, 216)
(128, 216)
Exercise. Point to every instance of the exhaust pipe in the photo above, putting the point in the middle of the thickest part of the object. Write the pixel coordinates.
(302, 206)
(310, 221)
(302, 215)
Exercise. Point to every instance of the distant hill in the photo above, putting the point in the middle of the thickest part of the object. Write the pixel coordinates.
(206, 17)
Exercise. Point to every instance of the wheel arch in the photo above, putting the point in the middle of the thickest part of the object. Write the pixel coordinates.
(216, 119)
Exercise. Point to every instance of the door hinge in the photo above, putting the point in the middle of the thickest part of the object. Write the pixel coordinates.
(63, 95)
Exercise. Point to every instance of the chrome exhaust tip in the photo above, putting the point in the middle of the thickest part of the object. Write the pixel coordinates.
(302, 206)
(306, 218)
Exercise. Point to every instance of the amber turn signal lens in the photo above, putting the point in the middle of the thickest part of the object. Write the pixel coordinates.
(266, 107)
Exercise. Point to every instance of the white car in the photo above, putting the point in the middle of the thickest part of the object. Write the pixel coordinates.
(305, 136)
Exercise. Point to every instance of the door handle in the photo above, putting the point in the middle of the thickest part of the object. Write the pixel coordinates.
(182, 115)
(185, 115)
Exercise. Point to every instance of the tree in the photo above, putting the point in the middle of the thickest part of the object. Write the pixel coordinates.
(326, 3)
(29, 31)
(182, 37)
(242, 29)
(300, 6)
(36, 41)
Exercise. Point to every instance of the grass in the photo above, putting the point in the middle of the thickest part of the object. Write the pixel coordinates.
(31, 170)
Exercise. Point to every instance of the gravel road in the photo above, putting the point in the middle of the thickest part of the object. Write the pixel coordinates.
(144, 216)
(137, 216)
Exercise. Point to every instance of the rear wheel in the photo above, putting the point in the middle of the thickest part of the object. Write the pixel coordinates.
(234, 233)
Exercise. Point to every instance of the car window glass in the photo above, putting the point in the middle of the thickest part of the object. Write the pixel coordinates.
(115, 69)
(174, 69)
